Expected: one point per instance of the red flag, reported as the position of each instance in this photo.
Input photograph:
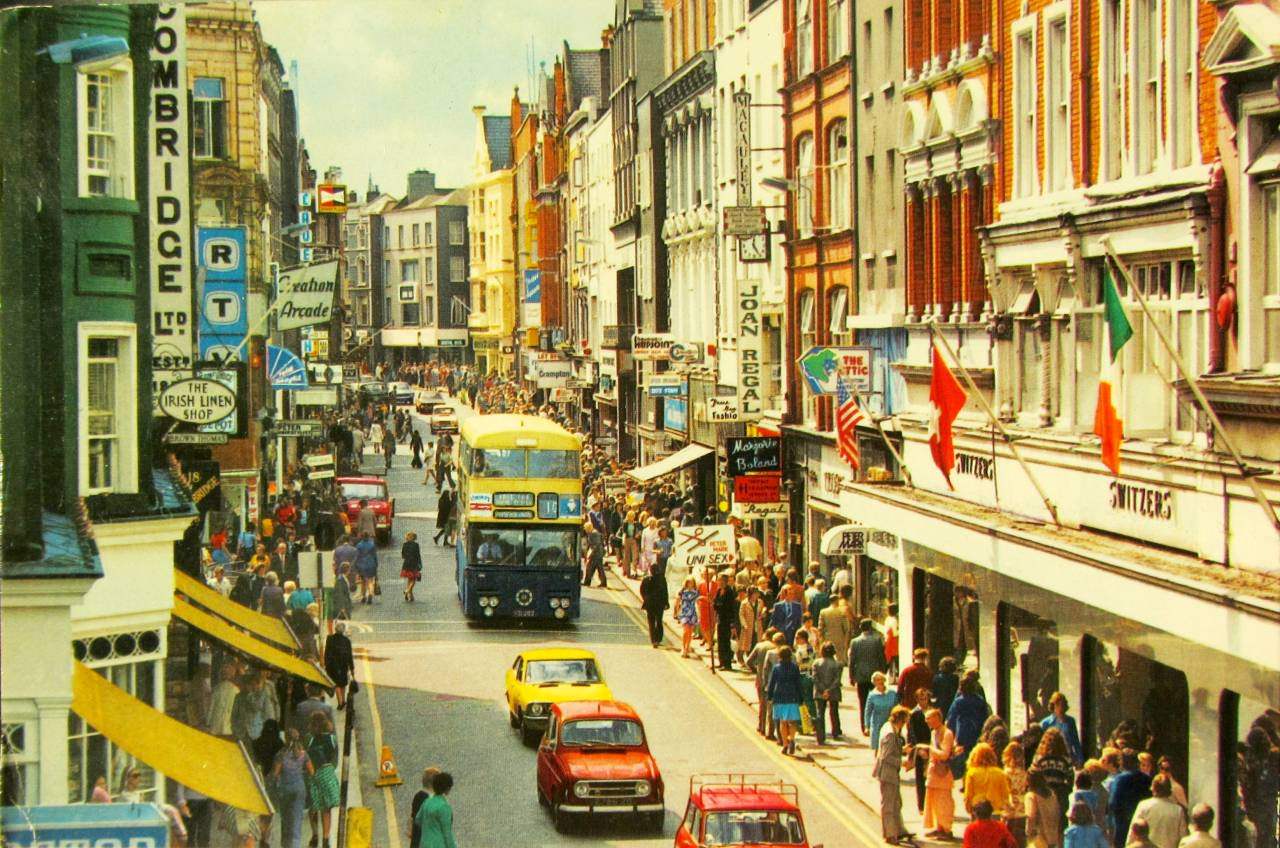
(946, 399)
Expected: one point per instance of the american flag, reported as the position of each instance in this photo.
(848, 416)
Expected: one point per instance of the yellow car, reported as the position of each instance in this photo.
(544, 676)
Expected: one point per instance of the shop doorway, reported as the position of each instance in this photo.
(945, 619)
(1028, 666)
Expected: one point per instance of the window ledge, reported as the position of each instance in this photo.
(109, 205)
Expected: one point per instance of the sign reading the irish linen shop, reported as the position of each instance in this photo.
(168, 164)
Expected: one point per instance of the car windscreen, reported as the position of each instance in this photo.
(368, 491)
(562, 671)
(492, 545)
(602, 731)
(737, 827)
(373, 387)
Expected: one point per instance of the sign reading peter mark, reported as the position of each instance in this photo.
(306, 295)
(301, 427)
(173, 345)
(750, 351)
(845, 540)
(197, 400)
(754, 454)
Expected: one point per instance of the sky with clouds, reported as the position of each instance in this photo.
(387, 86)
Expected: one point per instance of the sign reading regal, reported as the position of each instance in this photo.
(306, 295)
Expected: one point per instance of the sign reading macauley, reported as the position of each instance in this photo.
(306, 295)
(169, 173)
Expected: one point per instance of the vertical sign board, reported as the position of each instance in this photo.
(168, 171)
(224, 316)
(742, 144)
(750, 351)
(532, 297)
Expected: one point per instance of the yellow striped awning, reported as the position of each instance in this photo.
(249, 645)
(263, 626)
(212, 766)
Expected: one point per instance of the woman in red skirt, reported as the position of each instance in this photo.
(411, 565)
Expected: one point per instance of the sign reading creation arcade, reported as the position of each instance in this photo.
(306, 295)
(169, 216)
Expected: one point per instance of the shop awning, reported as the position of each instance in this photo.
(211, 766)
(266, 627)
(685, 456)
(249, 645)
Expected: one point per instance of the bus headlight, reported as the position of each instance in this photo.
(559, 613)
(488, 611)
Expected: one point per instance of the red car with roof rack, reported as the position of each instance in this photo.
(594, 760)
(742, 809)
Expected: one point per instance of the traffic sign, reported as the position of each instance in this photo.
(745, 220)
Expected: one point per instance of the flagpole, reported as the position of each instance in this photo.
(1250, 475)
(884, 437)
(1013, 448)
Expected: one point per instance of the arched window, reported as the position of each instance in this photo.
(362, 271)
(807, 323)
(804, 198)
(838, 189)
(804, 38)
(838, 310)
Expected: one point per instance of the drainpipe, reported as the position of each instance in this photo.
(1216, 195)
(1085, 87)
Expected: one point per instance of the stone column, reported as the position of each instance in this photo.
(912, 210)
(931, 252)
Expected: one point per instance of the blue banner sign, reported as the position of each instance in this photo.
(224, 314)
(85, 826)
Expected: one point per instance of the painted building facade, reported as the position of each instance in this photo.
(492, 319)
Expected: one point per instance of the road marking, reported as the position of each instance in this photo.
(393, 826)
(820, 793)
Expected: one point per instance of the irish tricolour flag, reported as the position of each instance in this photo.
(1107, 424)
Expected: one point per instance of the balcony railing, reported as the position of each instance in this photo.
(617, 336)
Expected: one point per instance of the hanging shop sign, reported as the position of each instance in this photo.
(224, 316)
(823, 368)
(552, 373)
(754, 511)
(667, 385)
(754, 455)
(652, 347)
(324, 373)
(687, 353)
(532, 304)
(845, 540)
(197, 400)
(757, 488)
(745, 220)
(750, 351)
(172, 438)
(231, 375)
(306, 295)
(303, 428)
(205, 477)
(173, 345)
(675, 415)
(320, 396)
(350, 373)
(284, 369)
(708, 546)
(722, 410)
(85, 826)
(331, 198)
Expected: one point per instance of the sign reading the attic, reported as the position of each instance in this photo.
(168, 170)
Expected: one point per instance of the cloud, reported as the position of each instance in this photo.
(387, 86)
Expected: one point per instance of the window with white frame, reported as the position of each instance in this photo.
(457, 232)
(208, 119)
(417, 232)
(386, 270)
(400, 235)
(838, 310)
(410, 314)
(838, 189)
(1182, 81)
(805, 306)
(1111, 73)
(108, 414)
(1269, 197)
(92, 756)
(837, 30)
(428, 310)
(1057, 101)
(362, 309)
(804, 197)
(19, 764)
(362, 271)
(105, 137)
(1024, 108)
(804, 37)
(409, 271)
(457, 269)
(1146, 41)
(431, 273)
(428, 234)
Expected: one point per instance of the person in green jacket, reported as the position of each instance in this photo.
(435, 816)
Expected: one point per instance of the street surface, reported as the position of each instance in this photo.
(432, 688)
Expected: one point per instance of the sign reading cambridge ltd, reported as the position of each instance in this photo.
(169, 173)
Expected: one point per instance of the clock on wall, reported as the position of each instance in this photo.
(753, 248)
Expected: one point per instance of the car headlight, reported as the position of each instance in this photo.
(535, 709)
(643, 787)
(581, 790)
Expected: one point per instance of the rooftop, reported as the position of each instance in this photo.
(497, 136)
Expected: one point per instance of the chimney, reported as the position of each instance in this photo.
(421, 183)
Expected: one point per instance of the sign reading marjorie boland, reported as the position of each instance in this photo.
(168, 167)
(306, 295)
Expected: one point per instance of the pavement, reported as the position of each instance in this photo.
(848, 761)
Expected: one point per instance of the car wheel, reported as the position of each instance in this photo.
(530, 735)
(513, 718)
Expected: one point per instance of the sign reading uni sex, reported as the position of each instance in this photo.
(709, 546)
(173, 345)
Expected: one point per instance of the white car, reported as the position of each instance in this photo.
(401, 393)
(425, 400)
(444, 421)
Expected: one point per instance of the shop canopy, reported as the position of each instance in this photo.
(248, 645)
(687, 455)
(266, 627)
(212, 766)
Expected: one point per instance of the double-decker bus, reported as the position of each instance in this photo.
(519, 518)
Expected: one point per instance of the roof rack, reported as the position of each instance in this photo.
(745, 782)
